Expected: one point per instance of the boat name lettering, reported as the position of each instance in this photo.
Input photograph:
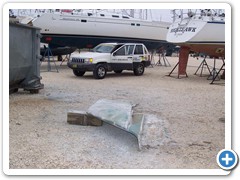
(184, 29)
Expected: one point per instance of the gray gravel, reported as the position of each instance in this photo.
(40, 136)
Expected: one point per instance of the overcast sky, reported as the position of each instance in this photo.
(162, 14)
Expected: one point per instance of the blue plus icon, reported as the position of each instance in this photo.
(227, 159)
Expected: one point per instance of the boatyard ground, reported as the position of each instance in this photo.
(193, 110)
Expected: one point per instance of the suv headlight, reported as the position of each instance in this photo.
(88, 60)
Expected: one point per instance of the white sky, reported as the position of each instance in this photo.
(162, 14)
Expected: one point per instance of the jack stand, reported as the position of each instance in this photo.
(214, 74)
(165, 61)
(221, 69)
(203, 63)
(151, 60)
(67, 57)
(48, 52)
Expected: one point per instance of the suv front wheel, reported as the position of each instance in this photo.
(139, 69)
(99, 72)
(78, 73)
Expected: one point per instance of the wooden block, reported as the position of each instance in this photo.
(93, 121)
(77, 117)
(82, 118)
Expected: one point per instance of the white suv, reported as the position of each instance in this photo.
(111, 57)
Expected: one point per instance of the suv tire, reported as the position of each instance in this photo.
(78, 73)
(139, 69)
(100, 71)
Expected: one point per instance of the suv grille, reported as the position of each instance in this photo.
(77, 60)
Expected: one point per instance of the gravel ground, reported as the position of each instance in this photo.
(40, 136)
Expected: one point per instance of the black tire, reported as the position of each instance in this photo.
(100, 71)
(118, 71)
(78, 73)
(139, 69)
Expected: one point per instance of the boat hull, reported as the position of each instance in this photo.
(212, 50)
(87, 41)
(199, 35)
(58, 51)
(87, 32)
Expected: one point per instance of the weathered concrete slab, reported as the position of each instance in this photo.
(149, 129)
(153, 132)
(113, 112)
(119, 114)
(136, 124)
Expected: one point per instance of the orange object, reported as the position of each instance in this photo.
(183, 60)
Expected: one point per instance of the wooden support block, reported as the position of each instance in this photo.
(82, 118)
(77, 117)
(93, 121)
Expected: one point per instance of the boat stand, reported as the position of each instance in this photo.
(49, 54)
(182, 61)
(165, 61)
(67, 57)
(152, 62)
(214, 74)
(202, 65)
(178, 72)
(217, 75)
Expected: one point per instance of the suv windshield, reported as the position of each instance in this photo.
(104, 48)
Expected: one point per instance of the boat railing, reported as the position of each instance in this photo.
(139, 14)
(211, 14)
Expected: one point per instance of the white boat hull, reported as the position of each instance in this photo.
(104, 27)
(199, 35)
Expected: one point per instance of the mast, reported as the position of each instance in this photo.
(132, 12)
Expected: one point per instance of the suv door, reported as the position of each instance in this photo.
(122, 58)
(140, 53)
